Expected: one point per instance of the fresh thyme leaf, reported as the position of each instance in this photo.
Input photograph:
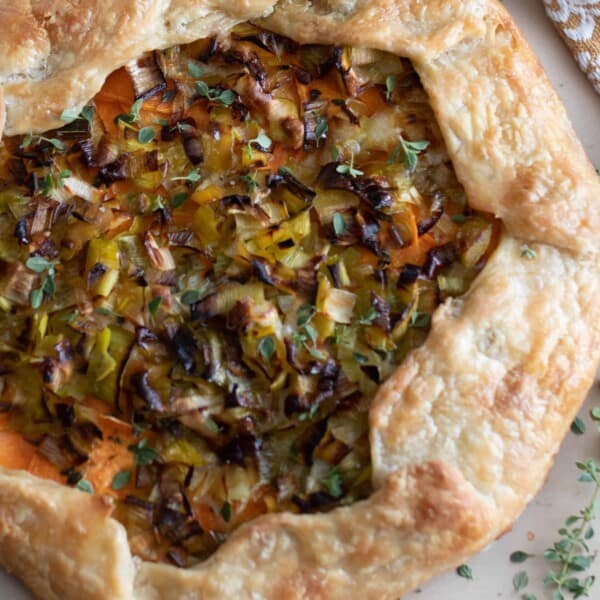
(390, 86)
(304, 314)
(262, 140)
(360, 358)
(153, 305)
(143, 454)
(410, 150)
(321, 128)
(195, 70)
(225, 97)
(69, 115)
(571, 553)
(85, 486)
(527, 252)
(519, 556)
(528, 597)
(595, 416)
(190, 297)
(420, 320)
(315, 352)
(370, 316)
(349, 169)
(309, 414)
(26, 141)
(56, 143)
(333, 482)
(464, 571)
(179, 199)
(193, 176)
(250, 181)
(266, 347)
(121, 479)
(35, 298)
(146, 135)
(339, 224)
(520, 581)
(226, 512)
(578, 426)
(38, 264)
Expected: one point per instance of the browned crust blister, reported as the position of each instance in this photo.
(465, 431)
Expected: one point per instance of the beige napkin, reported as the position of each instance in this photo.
(578, 22)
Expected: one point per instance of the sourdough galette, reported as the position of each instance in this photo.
(298, 307)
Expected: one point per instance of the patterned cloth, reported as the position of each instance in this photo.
(578, 22)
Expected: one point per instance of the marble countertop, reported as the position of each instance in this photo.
(536, 529)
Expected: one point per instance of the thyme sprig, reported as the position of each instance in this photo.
(571, 554)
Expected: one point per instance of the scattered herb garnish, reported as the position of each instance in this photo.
(226, 512)
(520, 581)
(527, 252)
(390, 86)
(39, 264)
(321, 128)
(121, 479)
(179, 199)
(30, 139)
(262, 140)
(464, 571)
(146, 135)
(144, 455)
(133, 116)
(595, 416)
(519, 556)
(339, 224)
(195, 70)
(333, 482)
(348, 168)
(225, 97)
(370, 316)
(85, 486)
(153, 305)
(266, 347)
(250, 180)
(193, 177)
(410, 151)
(190, 297)
(578, 426)
(72, 114)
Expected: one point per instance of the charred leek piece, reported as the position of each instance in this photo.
(203, 282)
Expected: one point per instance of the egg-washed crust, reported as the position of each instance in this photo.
(465, 431)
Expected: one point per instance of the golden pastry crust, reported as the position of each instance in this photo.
(465, 430)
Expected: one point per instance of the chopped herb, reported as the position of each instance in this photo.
(420, 320)
(464, 571)
(179, 199)
(195, 70)
(333, 482)
(339, 224)
(143, 454)
(193, 176)
(527, 252)
(266, 347)
(360, 358)
(250, 181)
(154, 304)
(390, 86)
(121, 479)
(190, 297)
(595, 416)
(225, 97)
(304, 314)
(85, 486)
(348, 168)
(410, 150)
(71, 114)
(146, 135)
(578, 426)
(226, 512)
(133, 116)
(519, 556)
(520, 581)
(370, 316)
(309, 414)
(321, 128)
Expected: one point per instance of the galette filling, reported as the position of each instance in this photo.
(208, 271)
